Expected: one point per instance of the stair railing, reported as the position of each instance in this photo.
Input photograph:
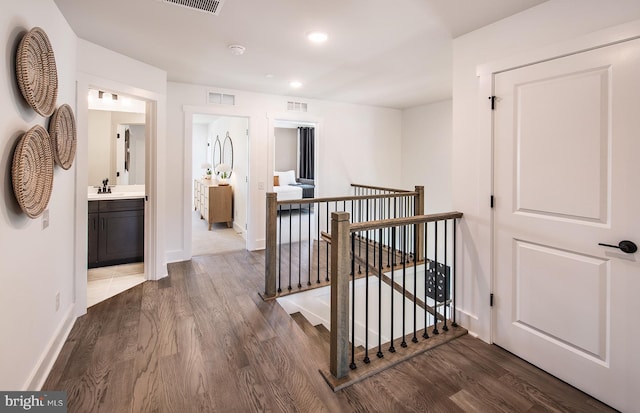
(296, 256)
(426, 300)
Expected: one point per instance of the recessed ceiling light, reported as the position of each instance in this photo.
(295, 84)
(317, 37)
(237, 49)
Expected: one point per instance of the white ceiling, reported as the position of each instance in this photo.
(393, 54)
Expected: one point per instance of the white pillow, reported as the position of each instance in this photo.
(287, 178)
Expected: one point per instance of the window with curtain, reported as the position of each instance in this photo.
(305, 137)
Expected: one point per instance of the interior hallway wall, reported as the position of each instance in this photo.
(426, 153)
(36, 263)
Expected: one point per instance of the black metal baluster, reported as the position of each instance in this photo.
(309, 246)
(353, 302)
(392, 349)
(366, 306)
(380, 354)
(444, 276)
(280, 248)
(404, 281)
(435, 278)
(425, 334)
(389, 234)
(453, 276)
(359, 235)
(375, 201)
(328, 245)
(299, 245)
(290, 229)
(415, 284)
(318, 209)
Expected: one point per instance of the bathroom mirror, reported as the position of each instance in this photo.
(217, 153)
(227, 152)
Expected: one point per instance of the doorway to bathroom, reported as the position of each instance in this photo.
(116, 194)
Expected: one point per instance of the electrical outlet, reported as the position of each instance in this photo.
(57, 300)
(45, 218)
(260, 186)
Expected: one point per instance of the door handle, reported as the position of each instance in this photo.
(625, 246)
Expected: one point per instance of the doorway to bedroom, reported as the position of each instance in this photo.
(294, 173)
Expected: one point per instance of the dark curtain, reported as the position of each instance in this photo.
(305, 135)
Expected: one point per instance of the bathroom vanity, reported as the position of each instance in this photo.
(116, 229)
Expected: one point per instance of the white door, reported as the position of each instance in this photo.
(567, 177)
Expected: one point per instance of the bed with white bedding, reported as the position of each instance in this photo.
(288, 192)
(285, 186)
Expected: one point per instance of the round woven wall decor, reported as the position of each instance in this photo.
(62, 130)
(36, 71)
(32, 171)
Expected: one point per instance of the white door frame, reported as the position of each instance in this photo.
(189, 112)
(292, 117)
(153, 241)
(486, 74)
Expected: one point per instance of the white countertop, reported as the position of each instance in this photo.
(117, 192)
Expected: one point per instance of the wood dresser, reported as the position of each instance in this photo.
(213, 201)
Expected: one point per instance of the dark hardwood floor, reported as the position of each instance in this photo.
(202, 340)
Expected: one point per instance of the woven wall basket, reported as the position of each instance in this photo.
(32, 171)
(36, 71)
(62, 130)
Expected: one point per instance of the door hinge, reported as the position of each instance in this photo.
(491, 300)
(493, 102)
(491, 201)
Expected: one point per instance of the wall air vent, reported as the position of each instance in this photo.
(207, 6)
(297, 106)
(221, 99)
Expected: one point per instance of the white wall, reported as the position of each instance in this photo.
(35, 263)
(345, 130)
(547, 24)
(199, 150)
(136, 168)
(426, 153)
(99, 146)
(286, 152)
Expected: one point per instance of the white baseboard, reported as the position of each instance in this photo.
(50, 355)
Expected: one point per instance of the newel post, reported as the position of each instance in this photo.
(340, 268)
(419, 210)
(271, 246)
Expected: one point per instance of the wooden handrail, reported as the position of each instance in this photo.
(346, 198)
(380, 188)
(396, 222)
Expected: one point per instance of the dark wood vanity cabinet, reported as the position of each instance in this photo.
(116, 232)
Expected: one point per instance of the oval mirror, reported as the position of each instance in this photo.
(227, 152)
(217, 153)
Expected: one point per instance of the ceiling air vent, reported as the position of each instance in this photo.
(221, 99)
(207, 6)
(297, 106)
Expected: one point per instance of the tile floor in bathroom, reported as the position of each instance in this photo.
(105, 282)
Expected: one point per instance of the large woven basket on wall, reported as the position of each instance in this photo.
(62, 130)
(36, 71)
(32, 171)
